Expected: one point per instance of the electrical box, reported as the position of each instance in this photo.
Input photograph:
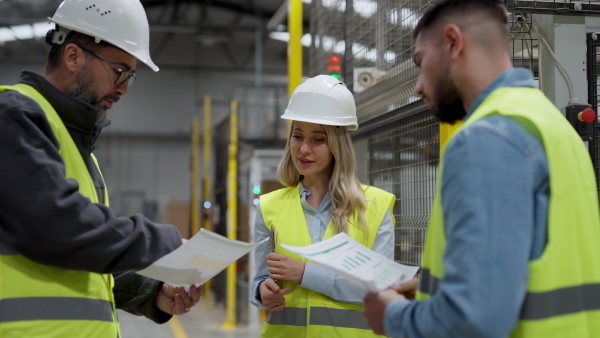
(581, 117)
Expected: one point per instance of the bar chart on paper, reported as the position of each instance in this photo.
(355, 262)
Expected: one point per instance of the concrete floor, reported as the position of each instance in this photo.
(199, 322)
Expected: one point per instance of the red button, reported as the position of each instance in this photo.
(587, 115)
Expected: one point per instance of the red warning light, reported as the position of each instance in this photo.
(334, 67)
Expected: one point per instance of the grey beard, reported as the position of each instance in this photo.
(81, 90)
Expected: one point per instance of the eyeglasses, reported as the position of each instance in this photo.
(123, 75)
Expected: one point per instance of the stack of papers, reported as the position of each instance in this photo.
(198, 260)
(355, 262)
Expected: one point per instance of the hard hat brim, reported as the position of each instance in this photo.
(328, 121)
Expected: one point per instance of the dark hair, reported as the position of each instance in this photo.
(80, 39)
(494, 9)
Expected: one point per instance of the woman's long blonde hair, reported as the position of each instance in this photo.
(346, 193)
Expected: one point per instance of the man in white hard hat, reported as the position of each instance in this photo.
(60, 244)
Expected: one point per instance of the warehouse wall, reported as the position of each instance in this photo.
(145, 153)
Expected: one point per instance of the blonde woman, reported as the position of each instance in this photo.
(321, 198)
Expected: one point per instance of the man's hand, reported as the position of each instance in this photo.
(272, 295)
(282, 267)
(175, 300)
(375, 304)
(408, 289)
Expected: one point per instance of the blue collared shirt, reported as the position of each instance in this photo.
(315, 277)
(495, 194)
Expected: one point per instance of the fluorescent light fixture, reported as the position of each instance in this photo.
(328, 43)
(335, 4)
(24, 32)
(389, 56)
(305, 40)
(364, 8)
(405, 17)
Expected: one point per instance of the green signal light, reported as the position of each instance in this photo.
(256, 190)
(337, 76)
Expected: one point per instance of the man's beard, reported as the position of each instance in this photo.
(448, 106)
(82, 89)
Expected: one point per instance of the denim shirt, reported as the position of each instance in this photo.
(315, 277)
(495, 193)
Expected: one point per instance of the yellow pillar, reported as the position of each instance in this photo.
(446, 131)
(195, 213)
(232, 212)
(294, 45)
(206, 182)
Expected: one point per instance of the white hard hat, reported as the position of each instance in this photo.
(322, 99)
(122, 23)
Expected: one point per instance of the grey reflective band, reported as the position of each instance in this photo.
(428, 284)
(6, 250)
(288, 316)
(351, 319)
(55, 308)
(564, 301)
(319, 316)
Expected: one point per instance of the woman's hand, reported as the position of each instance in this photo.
(282, 267)
(272, 295)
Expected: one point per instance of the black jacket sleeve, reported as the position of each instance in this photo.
(136, 294)
(45, 218)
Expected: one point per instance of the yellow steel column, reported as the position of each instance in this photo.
(195, 213)
(206, 182)
(446, 130)
(232, 212)
(294, 46)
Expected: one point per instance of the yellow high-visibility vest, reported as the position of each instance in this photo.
(563, 292)
(309, 313)
(37, 300)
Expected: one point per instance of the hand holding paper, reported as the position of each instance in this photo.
(356, 263)
(198, 260)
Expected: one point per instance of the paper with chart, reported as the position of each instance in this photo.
(199, 259)
(355, 262)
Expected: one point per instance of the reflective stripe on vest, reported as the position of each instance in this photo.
(309, 313)
(428, 283)
(542, 305)
(563, 291)
(319, 316)
(40, 300)
(45, 308)
(288, 316)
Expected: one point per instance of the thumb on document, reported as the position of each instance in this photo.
(408, 289)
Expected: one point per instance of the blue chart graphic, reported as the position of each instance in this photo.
(353, 262)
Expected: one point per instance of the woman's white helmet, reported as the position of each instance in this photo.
(322, 99)
(122, 23)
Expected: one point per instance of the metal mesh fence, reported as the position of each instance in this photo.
(402, 158)
(523, 43)
(374, 39)
(570, 7)
(399, 151)
(593, 77)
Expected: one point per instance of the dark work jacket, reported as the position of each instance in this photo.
(45, 218)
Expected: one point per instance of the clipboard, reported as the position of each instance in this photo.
(273, 242)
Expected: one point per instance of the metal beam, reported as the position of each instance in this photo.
(216, 4)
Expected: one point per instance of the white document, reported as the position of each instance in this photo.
(198, 260)
(355, 262)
